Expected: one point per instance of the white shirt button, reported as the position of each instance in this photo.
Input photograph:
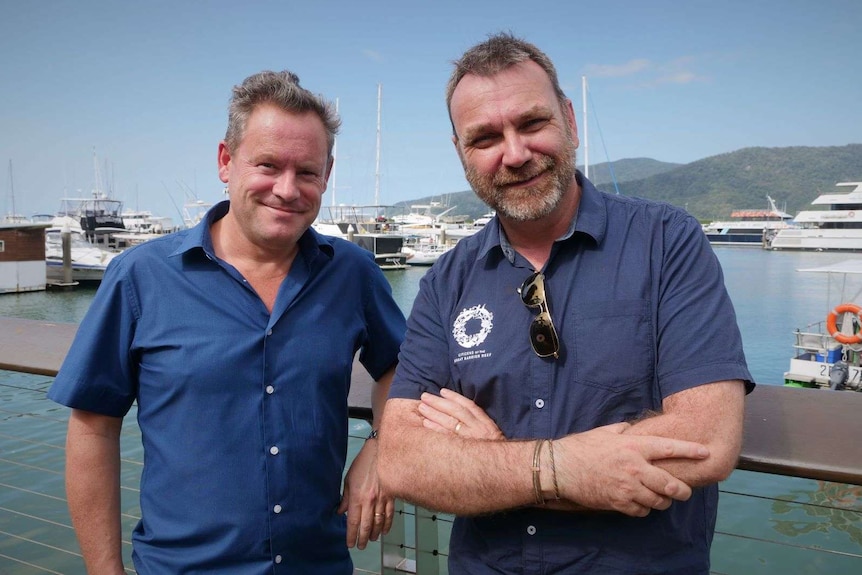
(531, 530)
(270, 389)
(269, 332)
(277, 509)
(278, 558)
(540, 403)
(273, 450)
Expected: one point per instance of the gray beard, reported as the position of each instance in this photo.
(533, 203)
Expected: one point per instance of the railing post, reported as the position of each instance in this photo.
(427, 543)
(393, 548)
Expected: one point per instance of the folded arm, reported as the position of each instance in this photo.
(711, 414)
(466, 475)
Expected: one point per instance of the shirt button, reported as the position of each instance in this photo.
(269, 332)
(270, 389)
(273, 450)
(277, 509)
(531, 530)
(540, 403)
(278, 558)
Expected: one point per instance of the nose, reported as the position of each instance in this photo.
(516, 152)
(286, 186)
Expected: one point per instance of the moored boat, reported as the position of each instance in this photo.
(828, 353)
(424, 255)
(747, 227)
(837, 228)
(364, 226)
(88, 262)
(97, 218)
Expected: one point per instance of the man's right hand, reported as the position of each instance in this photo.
(608, 470)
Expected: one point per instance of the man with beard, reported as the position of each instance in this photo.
(558, 364)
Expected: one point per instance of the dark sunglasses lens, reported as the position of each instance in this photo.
(543, 337)
(533, 291)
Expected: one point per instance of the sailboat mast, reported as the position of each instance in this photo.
(12, 189)
(377, 165)
(97, 189)
(586, 139)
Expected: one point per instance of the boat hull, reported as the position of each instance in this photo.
(849, 240)
(744, 240)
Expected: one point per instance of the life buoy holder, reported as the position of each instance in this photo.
(832, 327)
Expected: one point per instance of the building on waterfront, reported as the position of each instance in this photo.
(22, 257)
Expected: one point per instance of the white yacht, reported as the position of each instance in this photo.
(97, 217)
(747, 227)
(837, 228)
(88, 261)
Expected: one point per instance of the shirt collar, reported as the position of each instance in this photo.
(590, 220)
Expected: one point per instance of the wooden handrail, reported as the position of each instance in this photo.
(788, 431)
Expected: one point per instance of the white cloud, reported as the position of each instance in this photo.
(681, 77)
(372, 54)
(618, 70)
(650, 74)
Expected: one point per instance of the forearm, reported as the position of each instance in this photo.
(93, 490)
(712, 415)
(450, 473)
(379, 393)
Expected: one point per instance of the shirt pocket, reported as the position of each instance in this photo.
(613, 344)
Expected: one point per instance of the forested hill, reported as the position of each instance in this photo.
(712, 187)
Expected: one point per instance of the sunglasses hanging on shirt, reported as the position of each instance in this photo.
(543, 336)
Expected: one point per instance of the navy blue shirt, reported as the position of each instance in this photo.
(243, 413)
(638, 300)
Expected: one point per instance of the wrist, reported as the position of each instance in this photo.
(549, 482)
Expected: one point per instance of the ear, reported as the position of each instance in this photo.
(223, 162)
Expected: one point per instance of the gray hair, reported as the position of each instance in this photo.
(494, 55)
(283, 90)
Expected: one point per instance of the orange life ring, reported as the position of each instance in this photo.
(832, 327)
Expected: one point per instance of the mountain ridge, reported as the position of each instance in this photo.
(712, 187)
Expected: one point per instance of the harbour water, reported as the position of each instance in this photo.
(756, 533)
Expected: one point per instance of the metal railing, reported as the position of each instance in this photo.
(794, 505)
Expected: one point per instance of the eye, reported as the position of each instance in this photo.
(482, 141)
(308, 173)
(535, 124)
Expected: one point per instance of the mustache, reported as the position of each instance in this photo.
(506, 176)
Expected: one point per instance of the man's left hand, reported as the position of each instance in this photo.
(369, 512)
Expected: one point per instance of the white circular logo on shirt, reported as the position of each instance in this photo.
(459, 328)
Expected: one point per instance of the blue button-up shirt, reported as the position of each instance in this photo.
(243, 413)
(638, 300)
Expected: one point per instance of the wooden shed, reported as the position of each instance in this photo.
(22, 257)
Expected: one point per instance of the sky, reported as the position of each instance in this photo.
(131, 98)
